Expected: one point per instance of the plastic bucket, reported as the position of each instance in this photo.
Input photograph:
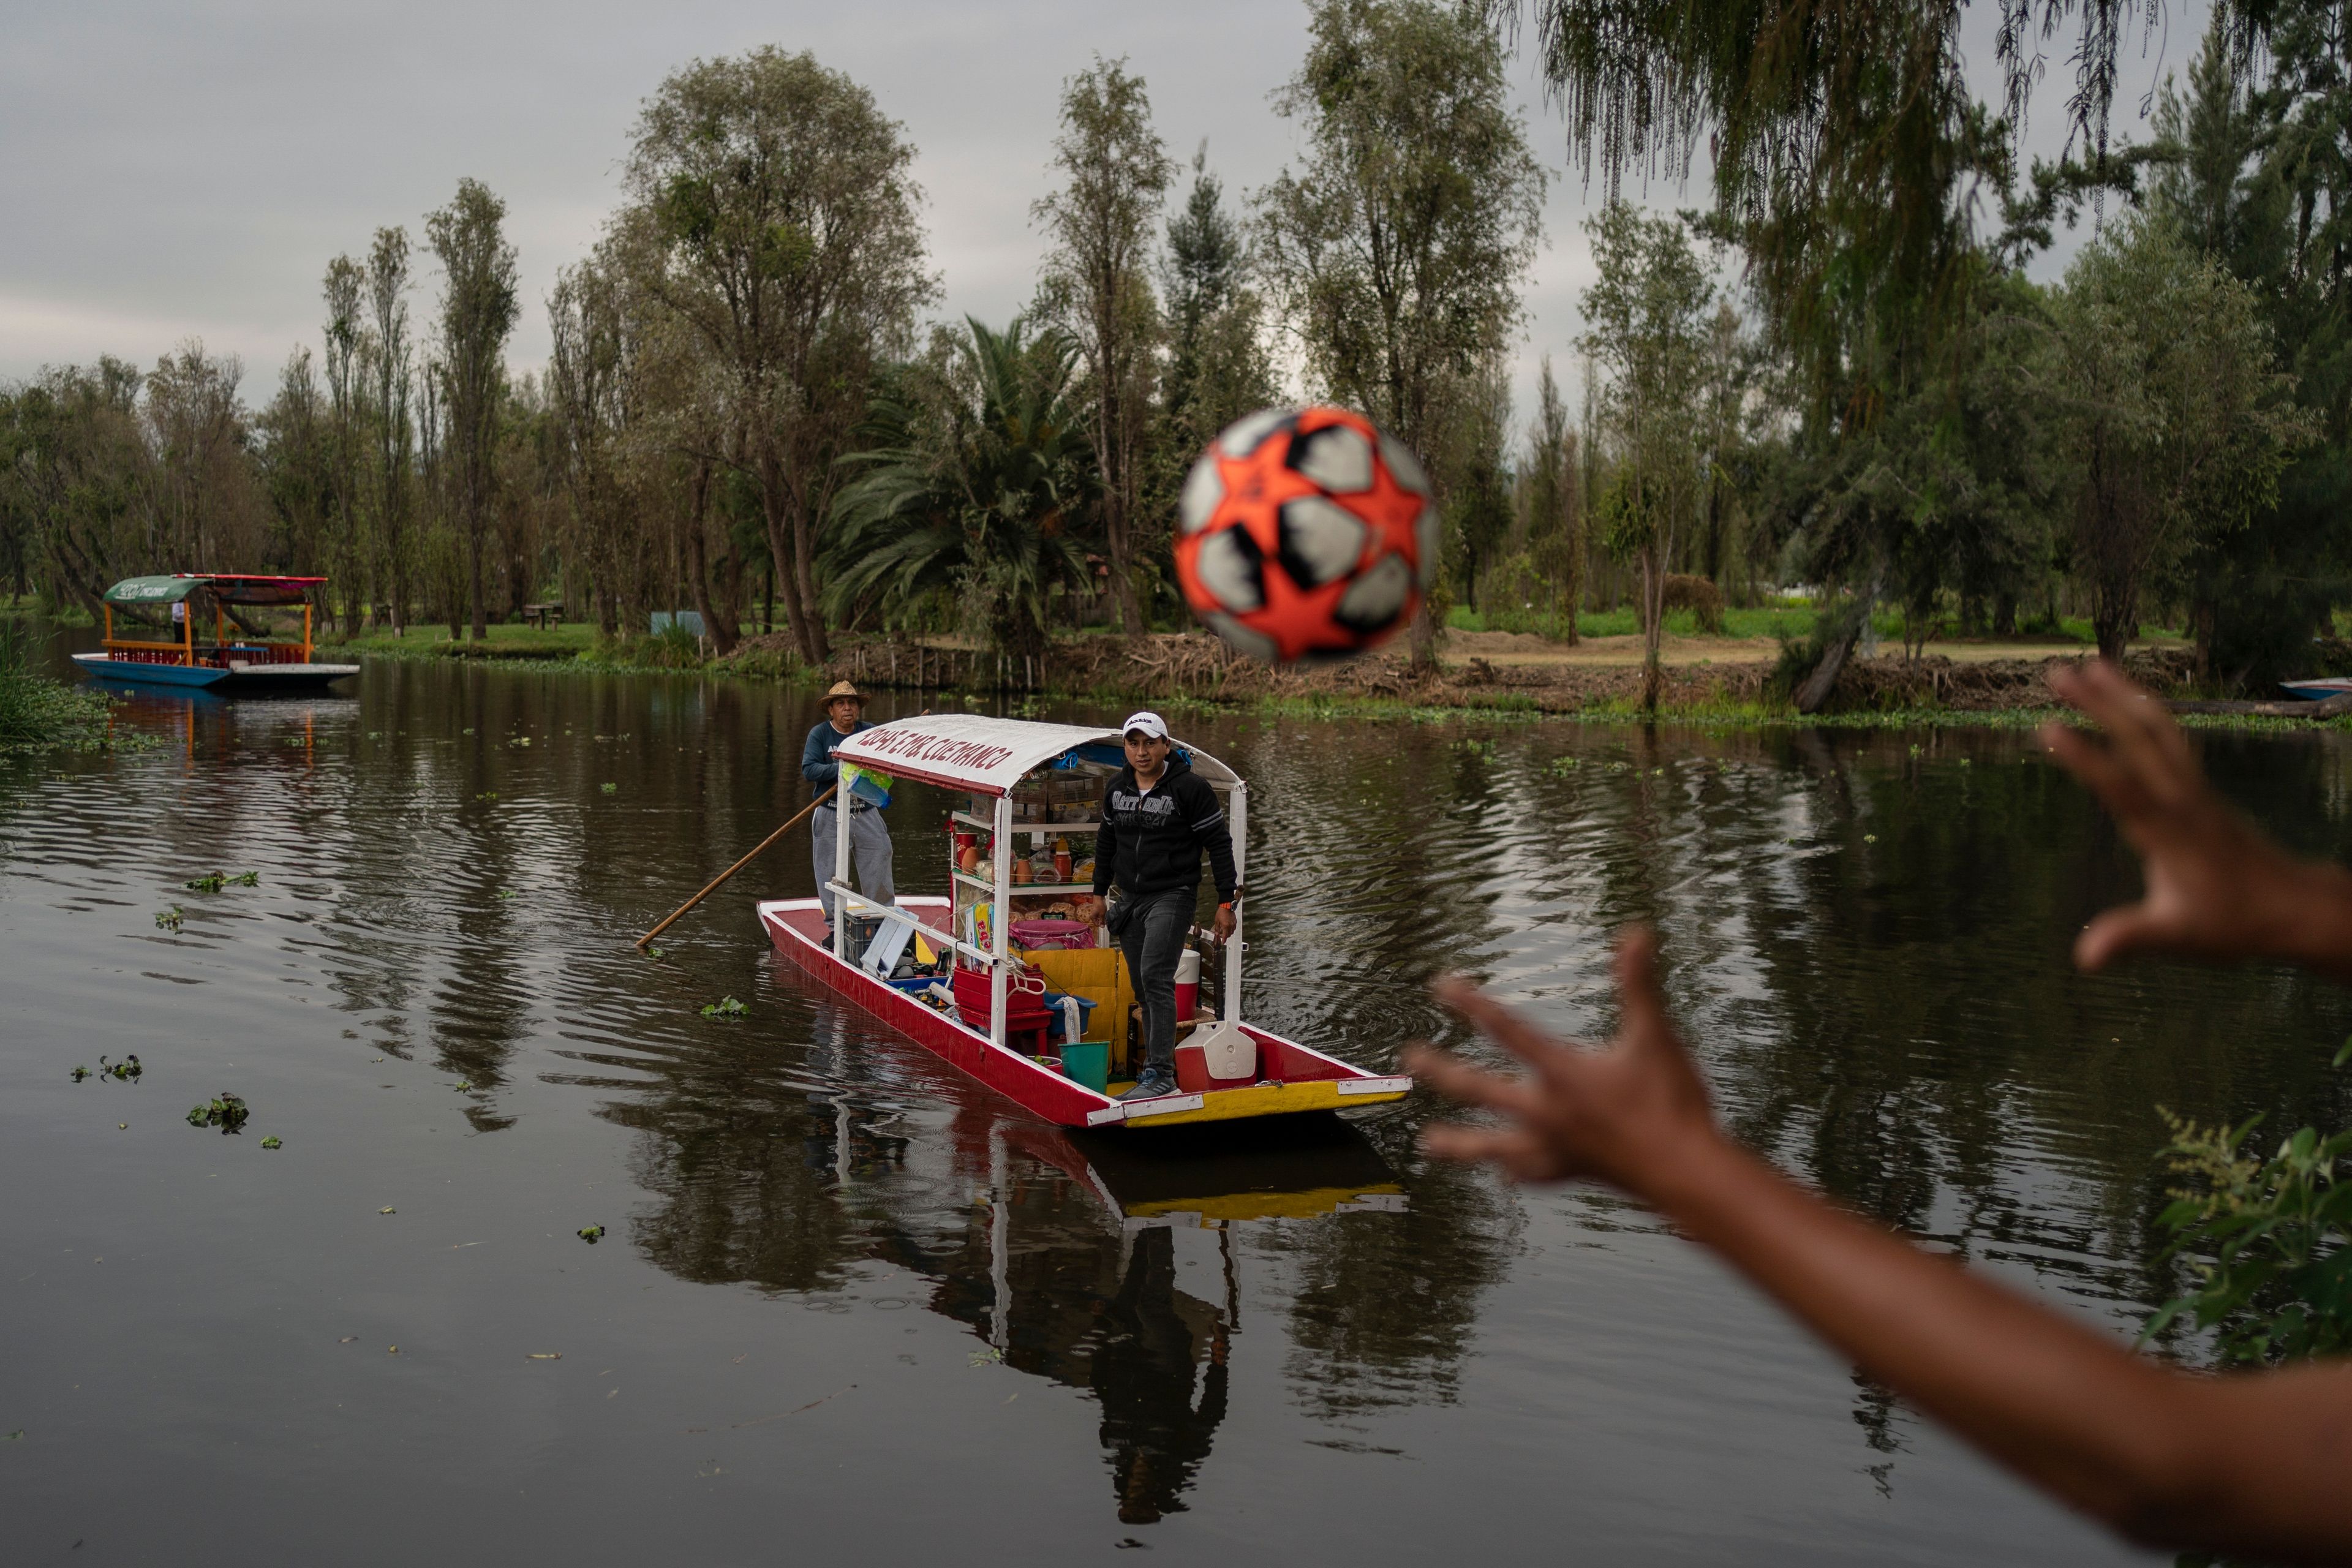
(1188, 984)
(1088, 1062)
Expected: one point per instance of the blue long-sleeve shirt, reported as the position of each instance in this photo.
(817, 765)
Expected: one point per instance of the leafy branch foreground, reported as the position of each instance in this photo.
(2265, 1240)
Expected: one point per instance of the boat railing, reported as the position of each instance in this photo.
(846, 900)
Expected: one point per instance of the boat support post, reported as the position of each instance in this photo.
(1000, 920)
(1237, 827)
(843, 804)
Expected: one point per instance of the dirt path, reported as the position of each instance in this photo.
(1524, 649)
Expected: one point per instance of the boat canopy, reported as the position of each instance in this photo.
(231, 588)
(988, 755)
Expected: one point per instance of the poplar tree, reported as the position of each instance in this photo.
(1097, 287)
(344, 289)
(391, 364)
(477, 312)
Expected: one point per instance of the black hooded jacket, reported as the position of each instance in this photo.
(1152, 843)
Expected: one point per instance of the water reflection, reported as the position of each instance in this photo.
(1865, 933)
(1056, 1250)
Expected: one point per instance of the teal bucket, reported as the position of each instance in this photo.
(1088, 1062)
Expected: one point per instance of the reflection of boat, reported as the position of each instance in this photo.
(1233, 1171)
(253, 657)
(1037, 781)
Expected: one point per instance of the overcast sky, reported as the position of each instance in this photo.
(176, 171)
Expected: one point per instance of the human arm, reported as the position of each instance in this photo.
(817, 765)
(2217, 887)
(1105, 845)
(2244, 1462)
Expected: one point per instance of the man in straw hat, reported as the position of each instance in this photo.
(870, 840)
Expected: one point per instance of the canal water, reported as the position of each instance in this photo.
(846, 1304)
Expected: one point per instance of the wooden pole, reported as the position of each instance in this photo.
(797, 818)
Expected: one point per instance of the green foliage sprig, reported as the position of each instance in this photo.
(2266, 1239)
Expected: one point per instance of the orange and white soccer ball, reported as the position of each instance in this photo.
(1305, 534)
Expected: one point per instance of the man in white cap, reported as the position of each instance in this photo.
(1158, 817)
(870, 840)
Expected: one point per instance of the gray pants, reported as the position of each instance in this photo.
(869, 853)
(1153, 938)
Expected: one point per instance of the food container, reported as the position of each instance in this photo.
(1188, 985)
(1088, 1062)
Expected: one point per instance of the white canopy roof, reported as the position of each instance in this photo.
(983, 754)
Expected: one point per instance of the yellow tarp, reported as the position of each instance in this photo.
(1098, 975)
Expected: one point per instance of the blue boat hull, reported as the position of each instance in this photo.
(101, 668)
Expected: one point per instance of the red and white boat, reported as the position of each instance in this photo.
(981, 1001)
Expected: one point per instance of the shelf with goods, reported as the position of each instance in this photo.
(987, 889)
(1033, 828)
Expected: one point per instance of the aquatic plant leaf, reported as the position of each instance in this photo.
(610, 788)
(273, 1143)
(169, 920)
(245, 879)
(725, 1007)
(387, 1209)
(591, 1234)
(79, 1074)
(210, 883)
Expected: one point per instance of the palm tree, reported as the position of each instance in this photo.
(977, 483)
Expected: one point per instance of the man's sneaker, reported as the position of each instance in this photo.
(1155, 1082)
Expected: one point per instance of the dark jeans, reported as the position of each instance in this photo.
(1152, 938)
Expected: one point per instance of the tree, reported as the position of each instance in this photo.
(344, 288)
(784, 209)
(588, 385)
(1097, 285)
(1648, 318)
(294, 456)
(390, 363)
(74, 487)
(978, 478)
(1395, 254)
(1553, 498)
(1218, 366)
(478, 307)
(206, 512)
(2179, 423)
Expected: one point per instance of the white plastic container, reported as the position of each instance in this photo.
(1188, 985)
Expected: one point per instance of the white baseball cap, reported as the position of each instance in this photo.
(1147, 722)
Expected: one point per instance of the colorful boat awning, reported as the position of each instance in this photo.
(233, 588)
(989, 755)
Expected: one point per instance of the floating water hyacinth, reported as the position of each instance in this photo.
(79, 1074)
(169, 920)
(225, 1112)
(591, 1234)
(213, 883)
(725, 1007)
(273, 1143)
(610, 788)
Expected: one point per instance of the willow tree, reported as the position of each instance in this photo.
(1096, 286)
(1847, 146)
(1396, 252)
(478, 307)
(784, 209)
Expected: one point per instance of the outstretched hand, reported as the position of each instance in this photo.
(2216, 887)
(1615, 1112)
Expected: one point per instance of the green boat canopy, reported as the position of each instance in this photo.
(231, 588)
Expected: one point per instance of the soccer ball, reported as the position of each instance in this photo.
(1305, 534)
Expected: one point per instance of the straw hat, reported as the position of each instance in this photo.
(842, 688)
